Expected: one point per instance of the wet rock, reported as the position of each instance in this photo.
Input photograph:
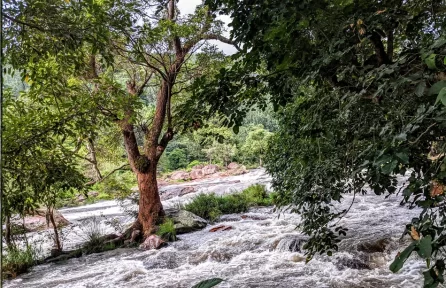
(152, 242)
(233, 165)
(298, 258)
(93, 194)
(166, 260)
(210, 169)
(185, 221)
(351, 263)
(196, 174)
(291, 243)
(374, 246)
(220, 228)
(180, 175)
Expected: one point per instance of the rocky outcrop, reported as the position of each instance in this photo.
(198, 167)
(180, 175)
(196, 174)
(351, 263)
(185, 221)
(152, 242)
(292, 243)
(210, 169)
(93, 194)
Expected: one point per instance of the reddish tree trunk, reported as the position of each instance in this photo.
(150, 207)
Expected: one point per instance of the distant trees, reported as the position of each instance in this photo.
(256, 143)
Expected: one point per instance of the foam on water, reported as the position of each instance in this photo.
(261, 250)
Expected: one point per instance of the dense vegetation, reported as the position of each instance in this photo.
(359, 88)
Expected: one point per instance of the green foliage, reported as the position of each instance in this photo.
(256, 143)
(177, 159)
(211, 206)
(208, 283)
(193, 164)
(18, 260)
(167, 230)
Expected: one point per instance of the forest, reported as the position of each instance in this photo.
(341, 103)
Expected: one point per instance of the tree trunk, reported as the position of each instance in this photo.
(150, 207)
(94, 163)
(260, 160)
(56, 233)
(8, 231)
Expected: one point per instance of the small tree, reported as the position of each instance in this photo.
(256, 143)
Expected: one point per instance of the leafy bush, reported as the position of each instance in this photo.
(177, 159)
(16, 261)
(167, 230)
(192, 164)
(211, 206)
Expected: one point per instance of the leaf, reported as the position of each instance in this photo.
(208, 283)
(430, 61)
(425, 247)
(419, 90)
(403, 157)
(436, 88)
(236, 129)
(414, 234)
(398, 263)
(441, 96)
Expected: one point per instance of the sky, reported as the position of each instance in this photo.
(188, 7)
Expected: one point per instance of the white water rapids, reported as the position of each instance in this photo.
(255, 253)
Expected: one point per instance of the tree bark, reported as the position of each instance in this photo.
(150, 207)
(8, 231)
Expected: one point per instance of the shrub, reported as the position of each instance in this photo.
(167, 230)
(16, 261)
(211, 206)
(92, 232)
(192, 164)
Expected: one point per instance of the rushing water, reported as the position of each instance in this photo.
(261, 249)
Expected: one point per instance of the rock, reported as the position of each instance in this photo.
(374, 246)
(198, 167)
(185, 221)
(163, 260)
(210, 169)
(196, 174)
(135, 234)
(169, 193)
(298, 258)
(152, 242)
(93, 194)
(39, 221)
(233, 165)
(180, 175)
(220, 227)
(80, 198)
(352, 263)
(292, 243)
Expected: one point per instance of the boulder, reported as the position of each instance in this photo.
(185, 221)
(374, 246)
(93, 194)
(196, 174)
(80, 198)
(292, 243)
(233, 165)
(180, 175)
(220, 228)
(352, 263)
(198, 167)
(175, 191)
(210, 169)
(238, 171)
(152, 242)
(38, 221)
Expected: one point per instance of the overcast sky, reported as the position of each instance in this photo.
(188, 7)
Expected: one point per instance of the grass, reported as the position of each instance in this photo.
(211, 206)
(16, 261)
(167, 230)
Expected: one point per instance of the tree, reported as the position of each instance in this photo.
(256, 143)
(365, 82)
(150, 42)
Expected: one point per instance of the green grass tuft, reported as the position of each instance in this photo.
(16, 261)
(167, 230)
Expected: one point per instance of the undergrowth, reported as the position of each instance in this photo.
(211, 206)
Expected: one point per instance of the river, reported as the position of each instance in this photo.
(261, 249)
